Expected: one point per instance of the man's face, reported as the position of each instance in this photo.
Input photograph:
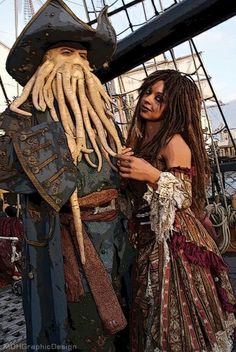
(68, 54)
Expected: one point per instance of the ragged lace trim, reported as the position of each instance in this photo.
(224, 343)
(163, 203)
(225, 338)
(149, 296)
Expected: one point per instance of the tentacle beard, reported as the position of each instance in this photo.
(71, 85)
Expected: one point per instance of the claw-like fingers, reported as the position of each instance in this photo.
(124, 157)
(127, 151)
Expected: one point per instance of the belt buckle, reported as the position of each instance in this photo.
(109, 207)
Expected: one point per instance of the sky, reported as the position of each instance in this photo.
(218, 47)
(219, 56)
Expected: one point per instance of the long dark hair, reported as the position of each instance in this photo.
(182, 114)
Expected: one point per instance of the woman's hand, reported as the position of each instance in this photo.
(136, 168)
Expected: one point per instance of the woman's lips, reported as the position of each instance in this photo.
(144, 108)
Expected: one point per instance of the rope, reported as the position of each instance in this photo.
(232, 223)
(223, 219)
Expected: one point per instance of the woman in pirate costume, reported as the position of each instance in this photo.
(182, 298)
(56, 152)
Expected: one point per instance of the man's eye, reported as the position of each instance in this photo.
(66, 52)
(84, 56)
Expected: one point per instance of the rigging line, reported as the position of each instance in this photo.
(94, 9)
(133, 26)
(125, 30)
(145, 69)
(145, 16)
(140, 24)
(172, 53)
(155, 9)
(195, 71)
(4, 91)
(119, 9)
(127, 15)
(2, 2)
(86, 10)
(210, 98)
(161, 6)
(31, 6)
(113, 3)
(144, 11)
(123, 94)
(132, 29)
(133, 78)
(214, 95)
(209, 125)
(16, 35)
(218, 131)
(75, 3)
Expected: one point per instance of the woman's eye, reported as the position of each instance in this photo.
(159, 99)
(148, 91)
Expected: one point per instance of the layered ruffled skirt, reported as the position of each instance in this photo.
(182, 298)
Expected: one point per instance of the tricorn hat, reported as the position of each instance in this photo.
(53, 24)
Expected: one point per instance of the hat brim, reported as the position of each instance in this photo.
(52, 24)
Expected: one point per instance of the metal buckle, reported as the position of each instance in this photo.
(100, 209)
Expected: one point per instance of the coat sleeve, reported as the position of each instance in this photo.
(37, 159)
(12, 176)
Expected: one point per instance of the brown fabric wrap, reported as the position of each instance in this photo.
(98, 198)
(74, 286)
(103, 293)
(105, 216)
(89, 202)
(99, 282)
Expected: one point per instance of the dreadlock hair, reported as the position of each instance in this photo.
(182, 115)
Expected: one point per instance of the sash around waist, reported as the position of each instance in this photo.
(97, 206)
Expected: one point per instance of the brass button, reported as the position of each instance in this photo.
(44, 130)
(35, 170)
(32, 160)
(23, 137)
(55, 190)
(27, 152)
(2, 132)
(30, 275)
(46, 184)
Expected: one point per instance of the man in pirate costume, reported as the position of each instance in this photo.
(57, 140)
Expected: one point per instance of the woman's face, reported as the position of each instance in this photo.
(151, 104)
